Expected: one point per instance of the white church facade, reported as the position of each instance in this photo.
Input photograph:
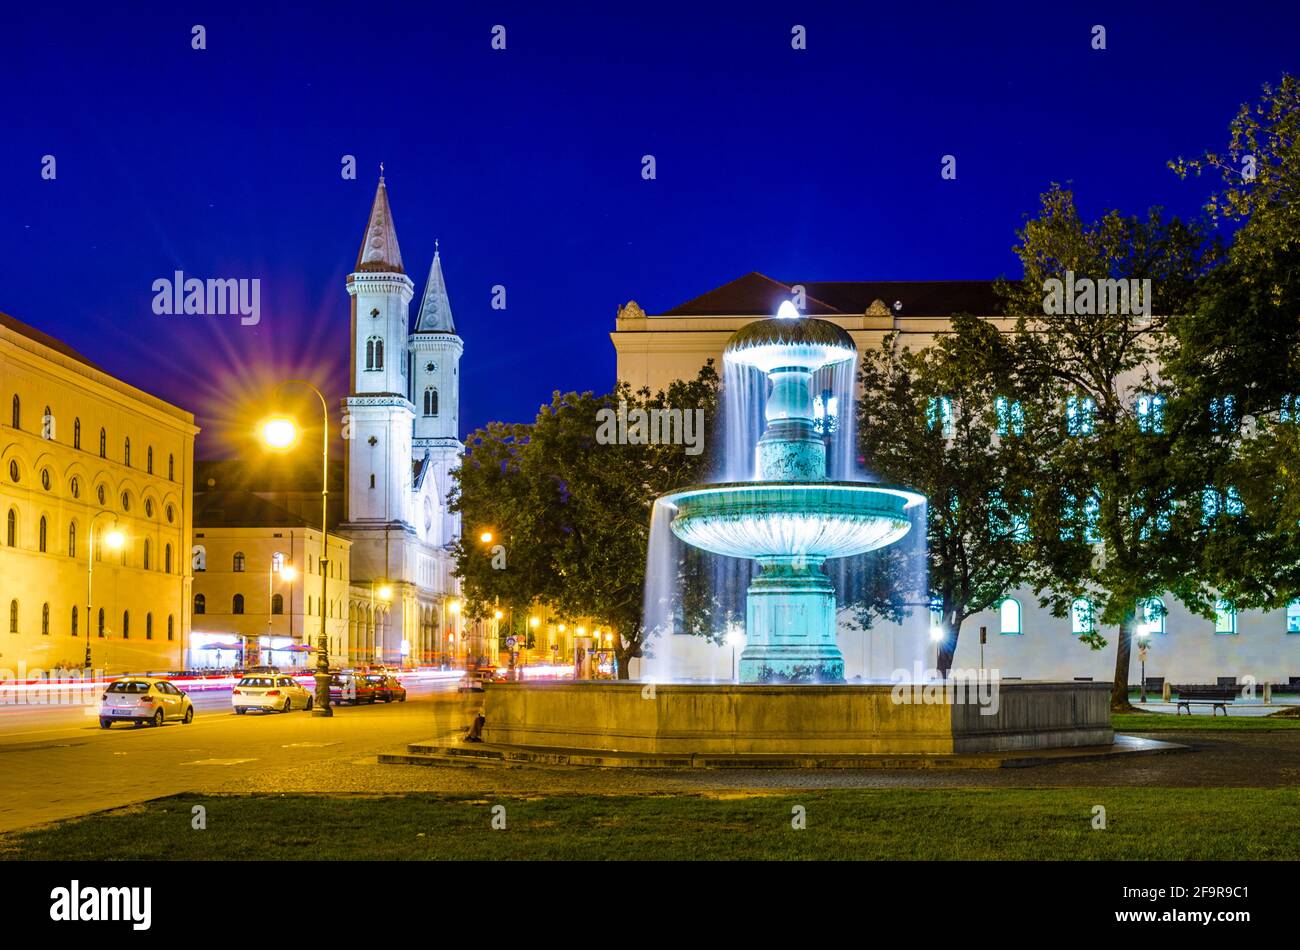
(402, 446)
(396, 600)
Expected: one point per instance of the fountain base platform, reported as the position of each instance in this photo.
(878, 719)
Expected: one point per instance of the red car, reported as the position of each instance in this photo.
(350, 689)
(387, 687)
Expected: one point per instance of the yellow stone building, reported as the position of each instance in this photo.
(84, 458)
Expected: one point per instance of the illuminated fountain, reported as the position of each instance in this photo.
(791, 518)
(792, 707)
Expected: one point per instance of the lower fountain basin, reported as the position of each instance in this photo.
(814, 520)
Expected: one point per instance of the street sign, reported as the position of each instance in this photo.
(510, 643)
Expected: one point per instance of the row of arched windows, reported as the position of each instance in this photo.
(1149, 617)
(75, 617)
(237, 604)
(48, 432)
(43, 545)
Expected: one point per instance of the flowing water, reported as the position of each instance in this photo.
(876, 652)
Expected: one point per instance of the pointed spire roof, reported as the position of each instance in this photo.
(435, 309)
(379, 250)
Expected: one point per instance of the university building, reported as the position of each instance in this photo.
(1024, 639)
(96, 481)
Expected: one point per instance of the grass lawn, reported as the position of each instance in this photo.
(858, 824)
(1155, 722)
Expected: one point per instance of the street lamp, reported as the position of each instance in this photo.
(114, 539)
(281, 433)
(453, 638)
(1142, 655)
(384, 592)
(734, 639)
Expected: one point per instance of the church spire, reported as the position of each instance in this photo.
(435, 310)
(379, 250)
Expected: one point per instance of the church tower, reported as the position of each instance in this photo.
(435, 390)
(380, 414)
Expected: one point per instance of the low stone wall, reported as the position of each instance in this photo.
(732, 719)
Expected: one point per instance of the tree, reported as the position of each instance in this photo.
(952, 422)
(578, 503)
(1116, 515)
(1240, 347)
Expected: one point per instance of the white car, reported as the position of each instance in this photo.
(141, 699)
(268, 691)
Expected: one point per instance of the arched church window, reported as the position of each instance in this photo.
(431, 401)
(374, 353)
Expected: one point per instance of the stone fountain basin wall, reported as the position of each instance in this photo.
(732, 719)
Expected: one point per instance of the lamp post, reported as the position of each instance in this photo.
(287, 573)
(1142, 655)
(385, 593)
(454, 637)
(114, 539)
(281, 433)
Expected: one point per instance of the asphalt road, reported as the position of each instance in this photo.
(56, 763)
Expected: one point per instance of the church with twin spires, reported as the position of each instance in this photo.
(390, 587)
(403, 444)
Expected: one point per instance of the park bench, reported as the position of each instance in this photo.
(1217, 697)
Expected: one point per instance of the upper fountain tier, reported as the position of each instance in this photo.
(789, 349)
(789, 340)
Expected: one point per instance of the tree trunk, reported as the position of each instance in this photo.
(622, 656)
(1119, 688)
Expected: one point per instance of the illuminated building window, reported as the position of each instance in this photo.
(1009, 611)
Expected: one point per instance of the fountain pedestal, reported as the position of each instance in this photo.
(790, 625)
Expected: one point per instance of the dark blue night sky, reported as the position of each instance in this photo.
(806, 165)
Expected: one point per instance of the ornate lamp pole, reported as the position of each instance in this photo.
(282, 433)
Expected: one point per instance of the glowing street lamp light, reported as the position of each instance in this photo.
(279, 432)
(498, 614)
(486, 537)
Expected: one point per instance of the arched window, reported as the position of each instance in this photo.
(148, 461)
(237, 604)
(239, 562)
(200, 604)
(101, 623)
(431, 401)
(167, 559)
(375, 353)
(277, 604)
(18, 412)
(1225, 617)
(74, 621)
(308, 563)
(45, 620)
(76, 433)
(171, 468)
(1081, 617)
(146, 554)
(72, 539)
(1009, 611)
(939, 414)
(1151, 617)
(42, 534)
(126, 452)
(11, 528)
(103, 443)
(126, 625)
(13, 612)
(171, 627)
(148, 626)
